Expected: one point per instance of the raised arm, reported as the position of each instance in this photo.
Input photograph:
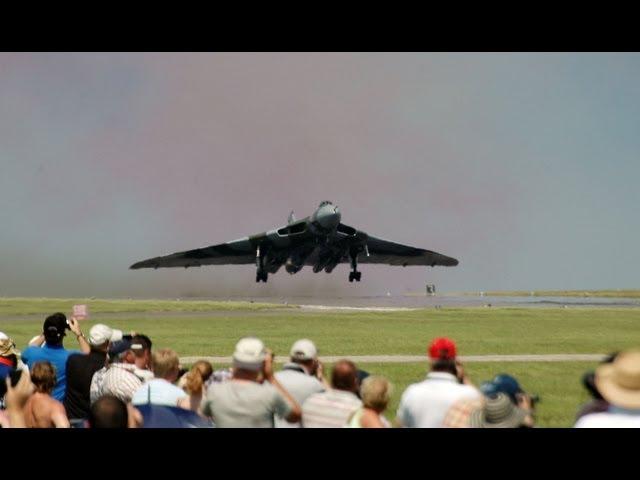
(296, 411)
(16, 397)
(82, 341)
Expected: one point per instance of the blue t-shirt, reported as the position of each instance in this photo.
(57, 355)
(5, 370)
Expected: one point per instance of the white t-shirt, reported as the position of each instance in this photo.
(158, 392)
(614, 418)
(425, 404)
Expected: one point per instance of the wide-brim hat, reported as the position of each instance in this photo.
(7, 347)
(619, 382)
(498, 412)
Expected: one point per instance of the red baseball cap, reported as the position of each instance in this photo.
(442, 349)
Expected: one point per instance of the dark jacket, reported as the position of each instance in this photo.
(80, 370)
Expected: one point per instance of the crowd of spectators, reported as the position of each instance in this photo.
(118, 380)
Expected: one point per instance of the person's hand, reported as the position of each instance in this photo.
(135, 419)
(74, 326)
(267, 369)
(524, 402)
(462, 378)
(319, 370)
(17, 396)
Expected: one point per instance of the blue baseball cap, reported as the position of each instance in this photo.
(502, 383)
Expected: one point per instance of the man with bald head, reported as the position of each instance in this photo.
(332, 409)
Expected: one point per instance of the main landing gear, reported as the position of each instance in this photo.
(354, 274)
(261, 275)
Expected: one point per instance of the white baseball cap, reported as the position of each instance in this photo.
(304, 349)
(249, 354)
(100, 334)
(3, 336)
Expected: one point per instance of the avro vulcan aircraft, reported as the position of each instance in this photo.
(319, 241)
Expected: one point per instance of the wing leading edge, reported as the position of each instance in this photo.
(238, 252)
(390, 253)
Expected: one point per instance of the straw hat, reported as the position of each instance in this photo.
(498, 412)
(619, 382)
(7, 347)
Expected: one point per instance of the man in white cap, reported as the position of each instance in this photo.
(302, 376)
(80, 369)
(619, 384)
(253, 396)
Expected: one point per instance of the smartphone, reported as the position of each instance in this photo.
(81, 312)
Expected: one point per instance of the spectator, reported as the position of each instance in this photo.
(11, 355)
(302, 376)
(41, 410)
(597, 404)
(499, 412)
(194, 382)
(80, 370)
(124, 377)
(508, 385)
(248, 400)
(8, 358)
(362, 375)
(619, 384)
(459, 415)
(53, 350)
(161, 389)
(109, 412)
(15, 399)
(426, 404)
(375, 393)
(332, 408)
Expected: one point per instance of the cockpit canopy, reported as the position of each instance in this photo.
(326, 202)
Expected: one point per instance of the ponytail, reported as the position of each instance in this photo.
(197, 376)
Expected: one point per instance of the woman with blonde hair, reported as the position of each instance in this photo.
(375, 393)
(193, 382)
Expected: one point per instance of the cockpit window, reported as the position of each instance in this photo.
(326, 202)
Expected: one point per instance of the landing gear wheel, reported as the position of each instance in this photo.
(261, 276)
(354, 274)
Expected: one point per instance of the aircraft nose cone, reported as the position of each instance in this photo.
(328, 217)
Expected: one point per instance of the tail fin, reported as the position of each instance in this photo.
(292, 217)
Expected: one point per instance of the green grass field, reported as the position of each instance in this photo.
(213, 328)
(25, 306)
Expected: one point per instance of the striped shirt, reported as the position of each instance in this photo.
(118, 379)
(459, 415)
(330, 409)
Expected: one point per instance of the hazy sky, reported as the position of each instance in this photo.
(525, 167)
